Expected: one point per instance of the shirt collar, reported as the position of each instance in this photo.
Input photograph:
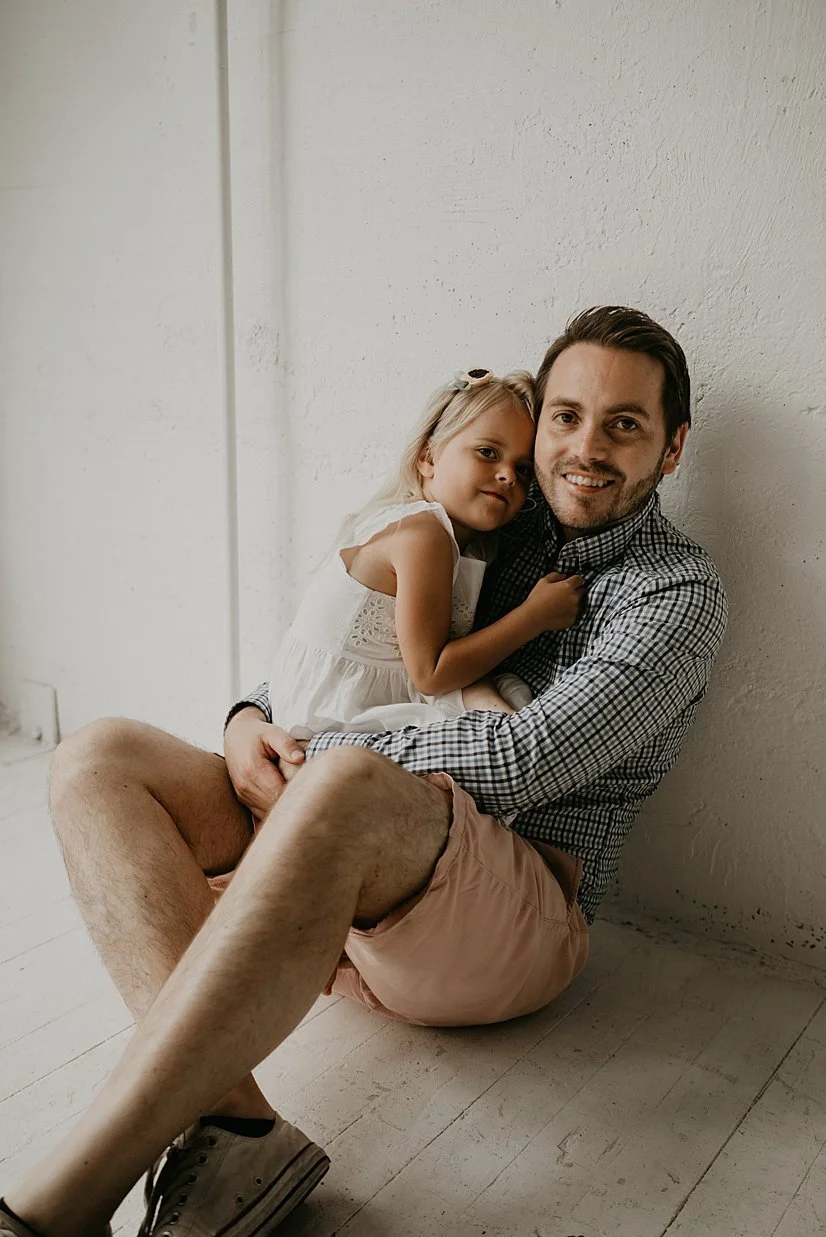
(599, 551)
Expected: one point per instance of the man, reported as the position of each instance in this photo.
(358, 853)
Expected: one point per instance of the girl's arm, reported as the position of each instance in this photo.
(421, 556)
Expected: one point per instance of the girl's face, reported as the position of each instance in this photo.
(481, 475)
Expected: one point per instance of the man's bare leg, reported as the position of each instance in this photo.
(141, 816)
(351, 838)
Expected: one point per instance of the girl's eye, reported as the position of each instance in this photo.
(487, 452)
(525, 472)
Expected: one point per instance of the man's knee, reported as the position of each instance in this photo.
(343, 793)
(101, 746)
(353, 794)
(344, 767)
(391, 825)
(353, 787)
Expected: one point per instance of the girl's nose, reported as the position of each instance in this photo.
(506, 474)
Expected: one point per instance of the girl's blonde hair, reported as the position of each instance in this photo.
(449, 410)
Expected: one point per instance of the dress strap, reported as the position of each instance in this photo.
(376, 521)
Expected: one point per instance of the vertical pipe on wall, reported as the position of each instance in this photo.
(286, 452)
(228, 348)
(254, 124)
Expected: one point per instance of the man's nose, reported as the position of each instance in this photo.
(591, 442)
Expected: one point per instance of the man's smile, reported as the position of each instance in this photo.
(581, 481)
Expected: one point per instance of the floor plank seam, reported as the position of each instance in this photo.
(336, 1066)
(584, 1083)
(693, 1060)
(796, 1194)
(30, 1031)
(420, 1151)
(312, 1015)
(79, 1056)
(40, 944)
(758, 1097)
(569, 1100)
(47, 941)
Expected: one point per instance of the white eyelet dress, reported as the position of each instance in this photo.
(339, 666)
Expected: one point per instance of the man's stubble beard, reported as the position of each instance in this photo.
(627, 503)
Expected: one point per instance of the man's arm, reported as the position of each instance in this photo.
(650, 662)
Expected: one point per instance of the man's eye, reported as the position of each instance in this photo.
(626, 423)
(567, 418)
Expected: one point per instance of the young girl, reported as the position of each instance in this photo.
(382, 638)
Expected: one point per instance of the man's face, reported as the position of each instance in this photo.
(601, 444)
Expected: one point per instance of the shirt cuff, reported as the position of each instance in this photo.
(325, 739)
(258, 699)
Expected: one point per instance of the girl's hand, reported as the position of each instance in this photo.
(256, 752)
(555, 601)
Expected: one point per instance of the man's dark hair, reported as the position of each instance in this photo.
(615, 326)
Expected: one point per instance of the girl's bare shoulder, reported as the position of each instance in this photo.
(421, 526)
(403, 541)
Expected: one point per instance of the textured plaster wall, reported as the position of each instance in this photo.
(113, 522)
(459, 178)
(415, 188)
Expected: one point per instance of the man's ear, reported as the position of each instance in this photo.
(674, 451)
(424, 461)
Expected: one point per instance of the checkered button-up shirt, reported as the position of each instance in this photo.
(614, 694)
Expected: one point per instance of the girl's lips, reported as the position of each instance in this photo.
(501, 497)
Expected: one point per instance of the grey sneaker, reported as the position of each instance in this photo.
(213, 1182)
(9, 1227)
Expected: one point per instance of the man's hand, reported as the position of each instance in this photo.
(261, 759)
(289, 768)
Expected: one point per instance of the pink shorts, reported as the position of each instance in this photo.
(498, 932)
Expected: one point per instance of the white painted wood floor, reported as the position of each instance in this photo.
(674, 1089)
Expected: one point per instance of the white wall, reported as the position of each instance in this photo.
(459, 178)
(113, 522)
(415, 188)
